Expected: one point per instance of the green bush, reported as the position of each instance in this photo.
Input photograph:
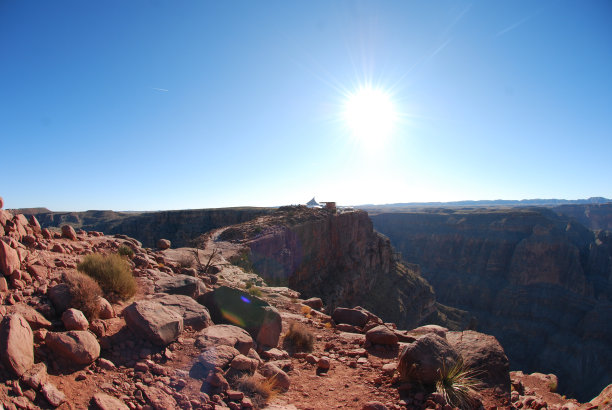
(112, 273)
(126, 251)
(254, 291)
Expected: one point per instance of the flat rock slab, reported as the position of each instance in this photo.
(226, 335)
(102, 401)
(382, 335)
(194, 315)
(16, 344)
(353, 317)
(217, 356)
(31, 315)
(181, 285)
(78, 346)
(153, 321)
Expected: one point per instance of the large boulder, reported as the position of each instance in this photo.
(60, 297)
(9, 259)
(217, 356)
(235, 307)
(68, 232)
(424, 359)
(194, 315)
(280, 378)
(484, 354)
(16, 344)
(77, 346)
(382, 335)
(225, 335)
(181, 285)
(163, 244)
(355, 317)
(153, 321)
(74, 319)
(31, 315)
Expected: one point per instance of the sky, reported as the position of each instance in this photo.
(153, 105)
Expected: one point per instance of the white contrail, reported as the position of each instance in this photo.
(515, 25)
(160, 89)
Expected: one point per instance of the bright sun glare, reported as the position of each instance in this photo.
(370, 114)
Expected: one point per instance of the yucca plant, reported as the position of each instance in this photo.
(458, 384)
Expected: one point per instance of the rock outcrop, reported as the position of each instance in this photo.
(337, 257)
(540, 283)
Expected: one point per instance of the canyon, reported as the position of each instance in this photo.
(536, 279)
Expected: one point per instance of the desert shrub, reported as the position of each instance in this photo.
(298, 338)
(258, 388)
(84, 294)
(248, 284)
(185, 260)
(112, 273)
(458, 384)
(254, 291)
(126, 251)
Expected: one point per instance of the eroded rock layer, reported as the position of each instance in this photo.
(541, 283)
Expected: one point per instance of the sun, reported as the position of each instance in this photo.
(370, 114)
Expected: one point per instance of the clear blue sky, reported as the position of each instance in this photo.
(146, 105)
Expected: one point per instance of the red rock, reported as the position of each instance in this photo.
(35, 376)
(78, 346)
(69, 233)
(374, 405)
(52, 394)
(157, 323)
(33, 222)
(106, 309)
(1, 203)
(3, 284)
(281, 379)
(46, 233)
(217, 356)
(242, 362)
(315, 303)
(382, 335)
(74, 319)
(16, 344)
(353, 317)
(227, 335)
(31, 315)
(9, 259)
(324, 363)
(102, 401)
(163, 244)
(422, 360)
(38, 271)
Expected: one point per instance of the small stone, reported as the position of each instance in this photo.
(52, 394)
(324, 363)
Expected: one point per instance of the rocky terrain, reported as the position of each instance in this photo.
(593, 216)
(217, 337)
(180, 227)
(339, 257)
(539, 282)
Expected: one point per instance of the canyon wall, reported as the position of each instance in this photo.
(539, 282)
(180, 227)
(340, 258)
(593, 216)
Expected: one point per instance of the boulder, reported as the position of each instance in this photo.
(38, 271)
(52, 394)
(16, 344)
(235, 307)
(153, 321)
(217, 356)
(382, 335)
(106, 310)
(77, 346)
(35, 376)
(31, 315)
(101, 401)
(181, 285)
(484, 354)
(9, 259)
(34, 224)
(422, 360)
(281, 379)
(315, 303)
(60, 297)
(194, 315)
(244, 363)
(69, 233)
(74, 319)
(225, 335)
(355, 317)
(423, 330)
(163, 244)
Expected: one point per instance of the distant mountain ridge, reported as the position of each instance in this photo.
(495, 202)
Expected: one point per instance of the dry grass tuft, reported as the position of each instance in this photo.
(112, 273)
(458, 385)
(185, 260)
(258, 388)
(298, 338)
(84, 293)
